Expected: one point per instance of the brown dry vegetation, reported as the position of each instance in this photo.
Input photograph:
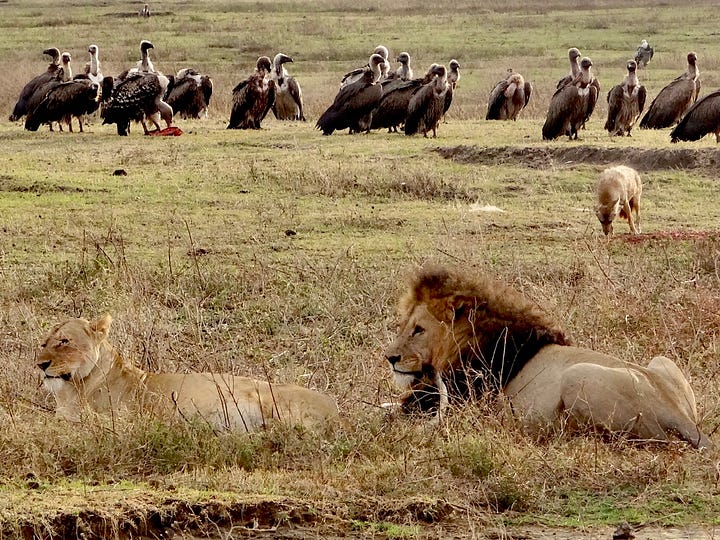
(194, 255)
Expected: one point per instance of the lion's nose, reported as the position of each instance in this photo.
(43, 365)
(393, 358)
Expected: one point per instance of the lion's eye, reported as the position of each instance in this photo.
(64, 341)
(417, 330)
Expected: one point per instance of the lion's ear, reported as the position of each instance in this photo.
(102, 325)
(455, 307)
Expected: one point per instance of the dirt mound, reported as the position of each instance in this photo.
(642, 159)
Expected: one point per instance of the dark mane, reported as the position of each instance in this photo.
(493, 333)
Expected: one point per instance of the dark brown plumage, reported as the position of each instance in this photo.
(571, 105)
(702, 118)
(52, 73)
(353, 106)
(253, 98)
(626, 102)
(189, 94)
(392, 110)
(675, 99)
(427, 105)
(136, 98)
(374, 65)
(508, 98)
(66, 101)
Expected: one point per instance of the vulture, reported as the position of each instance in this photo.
(644, 54)
(508, 98)
(136, 98)
(189, 94)
(52, 73)
(288, 95)
(253, 98)
(626, 102)
(675, 99)
(702, 118)
(454, 75)
(393, 107)
(571, 105)
(63, 75)
(382, 50)
(144, 65)
(427, 105)
(404, 72)
(374, 65)
(67, 100)
(145, 11)
(574, 57)
(353, 106)
(92, 68)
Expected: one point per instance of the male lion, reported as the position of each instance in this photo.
(82, 369)
(461, 336)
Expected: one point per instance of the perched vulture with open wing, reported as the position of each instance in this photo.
(67, 100)
(427, 105)
(288, 95)
(508, 98)
(675, 99)
(253, 98)
(626, 102)
(571, 105)
(137, 98)
(702, 118)
(50, 74)
(189, 94)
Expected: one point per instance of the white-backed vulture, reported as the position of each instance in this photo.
(136, 98)
(675, 99)
(644, 54)
(626, 102)
(353, 106)
(253, 97)
(392, 110)
(508, 98)
(144, 65)
(574, 57)
(288, 95)
(404, 72)
(374, 65)
(64, 75)
(702, 118)
(92, 68)
(67, 100)
(454, 75)
(382, 50)
(50, 74)
(189, 94)
(427, 105)
(571, 105)
(144, 11)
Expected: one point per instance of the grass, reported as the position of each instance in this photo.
(193, 253)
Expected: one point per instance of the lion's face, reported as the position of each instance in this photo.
(411, 354)
(69, 352)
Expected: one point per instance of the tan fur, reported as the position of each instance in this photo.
(460, 336)
(83, 370)
(618, 194)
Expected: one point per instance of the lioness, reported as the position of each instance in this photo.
(82, 369)
(460, 336)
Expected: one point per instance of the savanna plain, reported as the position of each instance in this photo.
(281, 253)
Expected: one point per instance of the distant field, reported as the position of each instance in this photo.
(281, 253)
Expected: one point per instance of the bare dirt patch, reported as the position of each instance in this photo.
(642, 159)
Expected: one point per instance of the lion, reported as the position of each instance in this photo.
(460, 337)
(82, 369)
(618, 194)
